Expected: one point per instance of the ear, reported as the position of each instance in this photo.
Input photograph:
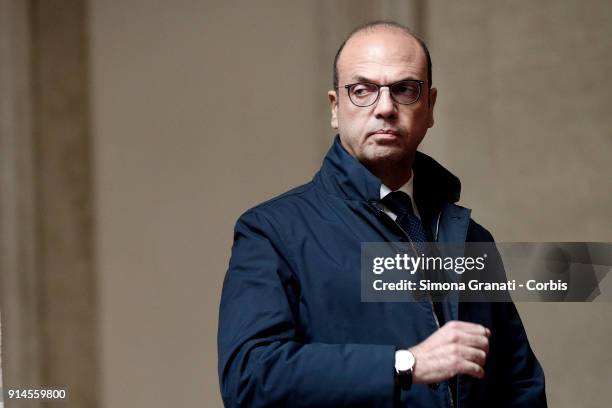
(332, 96)
(433, 95)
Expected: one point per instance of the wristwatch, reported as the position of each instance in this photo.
(404, 364)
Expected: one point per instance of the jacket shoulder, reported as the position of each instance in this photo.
(478, 233)
(278, 208)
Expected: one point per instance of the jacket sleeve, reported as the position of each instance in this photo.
(522, 384)
(262, 361)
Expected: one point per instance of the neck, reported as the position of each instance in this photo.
(393, 174)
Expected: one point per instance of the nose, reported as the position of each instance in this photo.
(385, 106)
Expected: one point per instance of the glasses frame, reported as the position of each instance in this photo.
(378, 87)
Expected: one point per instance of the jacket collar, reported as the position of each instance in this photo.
(342, 175)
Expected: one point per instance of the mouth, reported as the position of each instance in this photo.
(385, 133)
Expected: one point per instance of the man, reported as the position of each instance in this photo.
(293, 331)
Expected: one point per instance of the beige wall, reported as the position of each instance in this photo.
(203, 109)
(191, 129)
(523, 96)
(523, 118)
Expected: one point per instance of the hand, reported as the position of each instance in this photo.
(455, 348)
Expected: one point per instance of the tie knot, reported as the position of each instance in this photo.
(399, 203)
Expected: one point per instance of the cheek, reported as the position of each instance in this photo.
(353, 123)
(416, 120)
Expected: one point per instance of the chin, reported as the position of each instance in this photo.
(378, 153)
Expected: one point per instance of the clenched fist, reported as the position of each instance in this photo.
(455, 348)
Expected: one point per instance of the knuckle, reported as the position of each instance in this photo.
(484, 342)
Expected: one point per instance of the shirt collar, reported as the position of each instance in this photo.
(407, 188)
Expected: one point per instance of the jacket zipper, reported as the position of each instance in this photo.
(450, 392)
(433, 311)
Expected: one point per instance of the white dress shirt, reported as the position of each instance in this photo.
(407, 188)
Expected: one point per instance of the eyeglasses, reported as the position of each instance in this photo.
(404, 92)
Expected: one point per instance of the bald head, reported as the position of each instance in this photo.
(378, 26)
(386, 62)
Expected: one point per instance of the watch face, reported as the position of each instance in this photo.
(404, 360)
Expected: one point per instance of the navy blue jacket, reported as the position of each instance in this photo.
(292, 329)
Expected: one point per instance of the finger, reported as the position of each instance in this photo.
(456, 355)
(472, 354)
(473, 340)
(469, 327)
(456, 336)
(472, 369)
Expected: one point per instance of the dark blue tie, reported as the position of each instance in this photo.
(400, 204)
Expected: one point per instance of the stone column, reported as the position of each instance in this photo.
(47, 292)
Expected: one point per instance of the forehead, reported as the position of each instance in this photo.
(382, 55)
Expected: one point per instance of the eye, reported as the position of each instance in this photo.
(406, 88)
(363, 89)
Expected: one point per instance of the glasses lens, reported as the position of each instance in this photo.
(363, 94)
(406, 92)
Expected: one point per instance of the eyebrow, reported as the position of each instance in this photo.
(360, 78)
